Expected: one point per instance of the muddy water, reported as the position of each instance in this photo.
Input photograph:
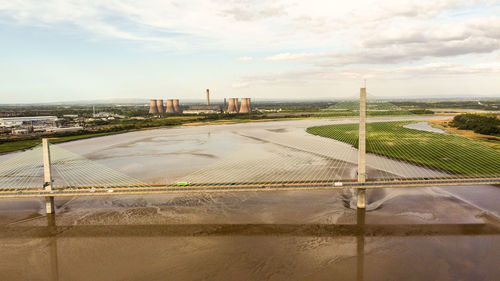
(412, 234)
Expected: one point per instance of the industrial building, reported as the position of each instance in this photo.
(152, 107)
(11, 122)
(203, 109)
(244, 107)
(63, 130)
(232, 106)
(157, 106)
(36, 124)
(172, 106)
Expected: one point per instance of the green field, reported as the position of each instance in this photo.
(447, 152)
(26, 144)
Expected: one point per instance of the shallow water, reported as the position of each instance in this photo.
(410, 234)
(424, 126)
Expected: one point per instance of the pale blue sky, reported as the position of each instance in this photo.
(87, 50)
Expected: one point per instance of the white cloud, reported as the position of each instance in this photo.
(232, 24)
(429, 70)
(298, 56)
(244, 59)
(240, 85)
(330, 39)
(394, 45)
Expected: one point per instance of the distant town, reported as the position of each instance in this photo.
(22, 126)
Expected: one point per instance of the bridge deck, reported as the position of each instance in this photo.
(231, 187)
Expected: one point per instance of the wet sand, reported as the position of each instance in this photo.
(411, 234)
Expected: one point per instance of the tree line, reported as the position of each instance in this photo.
(481, 124)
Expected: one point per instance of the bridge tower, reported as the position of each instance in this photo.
(361, 193)
(47, 176)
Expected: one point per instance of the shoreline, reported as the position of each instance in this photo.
(187, 124)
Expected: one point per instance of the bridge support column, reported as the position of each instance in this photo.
(47, 176)
(361, 194)
(49, 205)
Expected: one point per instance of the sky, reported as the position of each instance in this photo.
(67, 50)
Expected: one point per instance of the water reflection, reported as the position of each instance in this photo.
(359, 230)
(360, 245)
(54, 264)
(52, 231)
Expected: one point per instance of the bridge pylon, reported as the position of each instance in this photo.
(361, 192)
(47, 176)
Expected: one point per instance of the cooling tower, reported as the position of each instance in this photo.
(208, 97)
(177, 108)
(152, 107)
(170, 106)
(245, 105)
(159, 106)
(233, 105)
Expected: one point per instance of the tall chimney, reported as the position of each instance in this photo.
(159, 106)
(208, 97)
(152, 107)
(170, 106)
(177, 108)
(224, 108)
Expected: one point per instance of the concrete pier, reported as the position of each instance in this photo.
(49, 205)
(361, 194)
(47, 176)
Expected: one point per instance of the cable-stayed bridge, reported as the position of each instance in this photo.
(371, 153)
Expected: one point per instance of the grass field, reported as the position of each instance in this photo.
(26, 144)
(447, 152)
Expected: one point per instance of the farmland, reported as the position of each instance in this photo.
(446, 152)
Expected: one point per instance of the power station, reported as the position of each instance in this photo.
(233, 105)
(152, 107)
(246, 106)
(177, 108)
(159, 106)
(172, 106)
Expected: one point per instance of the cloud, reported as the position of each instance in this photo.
(425, 71)
(297, 56)
(249, 14)
(240, 85)
(392, 46)
(231, 24)
(444, 69)
(244, 59)
(328, 40)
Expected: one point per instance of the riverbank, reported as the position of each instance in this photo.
(443, 124)
(447, 152)
(175, 121)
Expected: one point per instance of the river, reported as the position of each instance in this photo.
(411, 234)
